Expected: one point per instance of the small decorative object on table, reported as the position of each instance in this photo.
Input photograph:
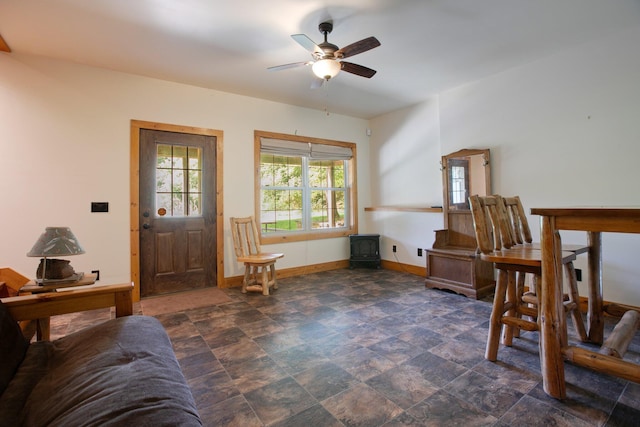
(56, 241)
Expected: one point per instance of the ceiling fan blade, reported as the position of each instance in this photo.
(358, 70)
(358, 47)
(287, 66)
(4, 47)
(317, 83)
(307, 43)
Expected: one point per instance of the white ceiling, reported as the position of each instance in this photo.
(427, 46)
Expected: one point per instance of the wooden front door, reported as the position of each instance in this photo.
(177, 212)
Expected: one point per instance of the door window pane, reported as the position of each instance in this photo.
(179, 180)
(163, 201)
(195, 201)
(163, 180)
(194, 181)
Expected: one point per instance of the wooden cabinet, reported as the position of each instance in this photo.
(453, 263)
(459, 270)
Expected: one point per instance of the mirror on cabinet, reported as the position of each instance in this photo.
(453, 263)
(464, 173)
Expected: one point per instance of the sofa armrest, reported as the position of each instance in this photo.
(38, 306)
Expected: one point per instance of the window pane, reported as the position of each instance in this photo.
(195, 158)
(163, 180)
(194, 204)
(178, 200)
(266, 171)
(326, 173)
(327, 209)
(194, 181)
(338, 174)
(164, 156)
(163, 201)
(281, 200)
(280, 171)
(281, 210)
(178, 181)
(179, 157)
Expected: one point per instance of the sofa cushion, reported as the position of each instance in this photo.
(33, 367)
(13, 347)
(120, 372)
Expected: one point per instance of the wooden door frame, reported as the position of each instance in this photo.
(134, 191)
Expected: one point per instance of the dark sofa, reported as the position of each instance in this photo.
(121, 372)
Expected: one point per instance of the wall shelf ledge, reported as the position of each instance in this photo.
(404, 209)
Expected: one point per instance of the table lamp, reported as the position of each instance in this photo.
(56, 241)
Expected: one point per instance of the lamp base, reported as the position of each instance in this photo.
(54, 269)
(75, 277)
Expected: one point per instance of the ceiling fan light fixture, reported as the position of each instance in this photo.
(326, 68)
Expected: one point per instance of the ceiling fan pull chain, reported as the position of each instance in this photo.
(326, 97)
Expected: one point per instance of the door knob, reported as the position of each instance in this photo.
(146, 226)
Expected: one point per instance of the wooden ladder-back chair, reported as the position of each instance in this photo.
(259, 267)
(522, 235)
(497, 245)
(521, 230)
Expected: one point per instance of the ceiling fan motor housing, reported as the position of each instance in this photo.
(328, 50)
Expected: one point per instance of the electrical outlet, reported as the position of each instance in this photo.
(394, 248)
(419, 251)
(578, 275)
(97, 273)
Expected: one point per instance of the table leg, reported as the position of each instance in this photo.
(43, 329)
(551, 312)
(595, 321)
(124, 303)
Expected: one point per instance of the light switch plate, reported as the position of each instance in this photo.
(99, 206)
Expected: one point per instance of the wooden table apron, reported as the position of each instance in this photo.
(594, 221)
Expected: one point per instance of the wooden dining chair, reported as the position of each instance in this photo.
(522, 231)
(497, 245)
(259, 267)
(522, 235)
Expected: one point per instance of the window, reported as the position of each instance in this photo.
(178, 180)
(305, 187)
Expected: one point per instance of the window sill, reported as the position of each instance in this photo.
(300, 237)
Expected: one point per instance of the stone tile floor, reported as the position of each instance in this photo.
(366, 348)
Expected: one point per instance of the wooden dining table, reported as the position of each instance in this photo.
(553, 351)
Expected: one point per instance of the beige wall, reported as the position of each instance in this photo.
(563, 131)
(64, 142)
(405, 171)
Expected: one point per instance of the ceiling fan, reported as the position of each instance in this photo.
(327, 57)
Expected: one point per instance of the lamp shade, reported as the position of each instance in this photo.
(326, 68)
(56, 241)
